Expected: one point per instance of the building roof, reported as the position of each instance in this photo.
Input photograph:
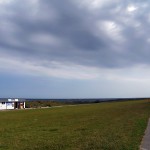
(12, 99)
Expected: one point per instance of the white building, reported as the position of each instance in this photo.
(12, 103)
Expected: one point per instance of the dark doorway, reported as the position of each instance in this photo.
(15, 105)
(18, 105)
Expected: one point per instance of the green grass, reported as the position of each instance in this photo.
(104, 126)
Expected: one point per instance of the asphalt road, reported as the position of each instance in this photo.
(145, 145)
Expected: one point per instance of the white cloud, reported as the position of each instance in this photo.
(111, 29)
(95, 4)
(67, 70)
(98, 3)
(131, 8)
(138, 73)
(50, 68)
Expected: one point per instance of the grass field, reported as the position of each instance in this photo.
(104, 126)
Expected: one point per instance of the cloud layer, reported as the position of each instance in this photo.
(72, 38)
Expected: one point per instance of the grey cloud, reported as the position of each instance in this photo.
(80, 41)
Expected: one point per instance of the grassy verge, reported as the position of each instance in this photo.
(104, 126)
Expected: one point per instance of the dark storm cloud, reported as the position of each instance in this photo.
(115, 34)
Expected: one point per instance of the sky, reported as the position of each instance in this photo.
(74, 48)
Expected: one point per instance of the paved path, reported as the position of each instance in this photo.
(145, 145)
